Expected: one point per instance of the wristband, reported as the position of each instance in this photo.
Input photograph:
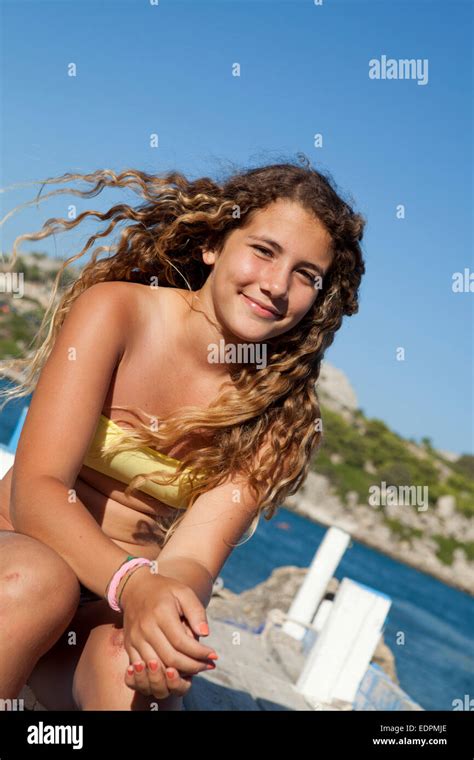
(130, 556)
(130, 573)
(124, 568)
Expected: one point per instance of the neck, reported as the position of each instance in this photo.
(199, 329)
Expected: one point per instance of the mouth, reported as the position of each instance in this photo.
(269, 312)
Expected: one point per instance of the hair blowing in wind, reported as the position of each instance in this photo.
(162, 241)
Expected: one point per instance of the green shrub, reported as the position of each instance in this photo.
(447, 545)
(464, 466)
(394, 463)
(403, 532)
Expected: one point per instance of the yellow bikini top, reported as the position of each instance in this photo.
(125, 465)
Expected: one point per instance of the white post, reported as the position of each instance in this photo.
(341, 655)
(6, 461)
(320, 572)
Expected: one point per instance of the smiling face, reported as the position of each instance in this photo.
(251, 273)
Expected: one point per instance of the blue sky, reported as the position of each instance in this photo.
(167, 69)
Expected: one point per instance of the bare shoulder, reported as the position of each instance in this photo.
(155, 305)
(128, 301)
(117, 291)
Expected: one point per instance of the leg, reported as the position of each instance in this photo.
(39, 594)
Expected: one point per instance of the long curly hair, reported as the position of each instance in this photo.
(276, 405)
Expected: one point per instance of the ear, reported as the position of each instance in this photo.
(209, 257)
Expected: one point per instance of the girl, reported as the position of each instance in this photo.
(219, 420)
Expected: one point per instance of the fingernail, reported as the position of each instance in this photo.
(130, 670)
(138, 667)
(211, 666)
(170, 673)
(213, 656)
(153, 665)
(204, 629)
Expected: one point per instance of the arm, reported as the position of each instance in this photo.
(197, 551)
(58, 429)
(192, 573)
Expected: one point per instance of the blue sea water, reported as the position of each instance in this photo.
(435, 664)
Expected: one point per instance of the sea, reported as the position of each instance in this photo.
(435, 656)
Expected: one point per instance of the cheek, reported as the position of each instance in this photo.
(244, 269)
(303, 305)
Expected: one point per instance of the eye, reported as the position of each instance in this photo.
(263, 250)
(309, 275)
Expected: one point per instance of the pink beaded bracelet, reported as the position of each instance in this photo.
(117, 577)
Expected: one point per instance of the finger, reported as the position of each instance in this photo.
(173, 629)
(160, 643)
(177, 683)
(193, 609)
(162, 680)
(189, 630)
(140, 672)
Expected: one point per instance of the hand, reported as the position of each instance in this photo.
(177, 683)
(161, 624)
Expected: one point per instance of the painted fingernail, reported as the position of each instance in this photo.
(204, 629)
(211, 666)
(213, 656)
(130, 670)
(138, 667)
(170, 673)
(153, 665)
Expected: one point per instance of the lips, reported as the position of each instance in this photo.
(262, 305)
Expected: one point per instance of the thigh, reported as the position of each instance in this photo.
(52, 679)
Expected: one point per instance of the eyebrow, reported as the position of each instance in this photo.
(279, 248)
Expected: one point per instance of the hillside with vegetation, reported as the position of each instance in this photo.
(20, 318)
(355, 456)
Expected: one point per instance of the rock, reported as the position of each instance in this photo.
(450, 456)
(446, 505)
(253, 607)
(370, 468)
(352, 498)
(335, 391)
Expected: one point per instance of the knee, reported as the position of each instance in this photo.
(32, 574)
(99, 677)
(106, 645)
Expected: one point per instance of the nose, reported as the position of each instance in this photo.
(275, 282)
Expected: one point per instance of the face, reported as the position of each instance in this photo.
(251, 274)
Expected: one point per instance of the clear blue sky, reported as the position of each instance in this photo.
(166, 68)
